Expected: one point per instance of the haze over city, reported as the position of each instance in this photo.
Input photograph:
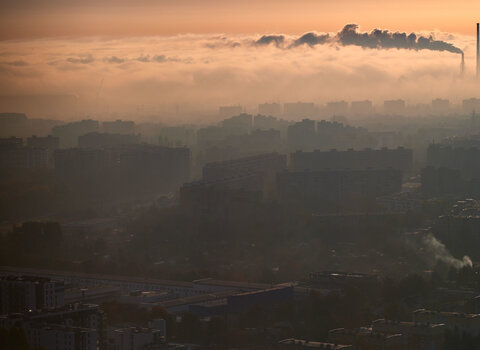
(220, 174)
(190, 57)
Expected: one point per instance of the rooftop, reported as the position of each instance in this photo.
(313, 344)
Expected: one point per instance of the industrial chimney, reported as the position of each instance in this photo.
(478, 51)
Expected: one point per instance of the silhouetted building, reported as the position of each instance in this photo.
(322, 189)
(13, 124)
(440, 106)
(119, 127)
(52, 336)
(177, 136)
(229, 111)
(211, 135)
(399, 158)
(17, 124)
(339, 136)
(133, 338)
(220, 196)
(361, 107)
(441, 181)
(337, 108)
(302, 135)
(49, 142)
(270, 109)
(106, 140)
(11, 142)
(386, 139)
(266, 165)
(299, 110)
(241, 122)
(77, 164)
(394, 107)
(465, 159)
(129, 169)
(27, 293)
(69, 133)
(13, 155)
(268, 122)
(75, 326)
(471, 105)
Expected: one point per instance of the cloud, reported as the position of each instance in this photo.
(17, 63)
(186, 69)
(222, 43)
(311, 39)
(114, 59)
(143, 59)
(81, 60)
(269, 39)
(159, 58)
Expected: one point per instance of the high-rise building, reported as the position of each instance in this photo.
(13, 155)
(106, 140)
(69, 133)
(20, 294)
(337, 108)
(471, 105)
(119, 127)
(135, 338)
(242, 122)
(361, 107)
(49, 142)
(270, 109)
(394, 106)
(333, 187)
(440, 106)
(384, 158)
(229, 111)
(298, 110)
(302, 135)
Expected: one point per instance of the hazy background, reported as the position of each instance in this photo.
(188, 57)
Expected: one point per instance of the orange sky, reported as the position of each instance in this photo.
(46, 18)
(204, 53)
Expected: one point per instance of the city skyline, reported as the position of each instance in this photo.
(161, 56)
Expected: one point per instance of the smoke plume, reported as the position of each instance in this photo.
(376, 39)
(439, 252)
(268, 39)
(384, 39)
(311, 39)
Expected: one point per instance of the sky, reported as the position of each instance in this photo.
(205, 53)
(40, 18)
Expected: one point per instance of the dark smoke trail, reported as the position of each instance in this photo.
(384, 39)
(311, 39)
(376, 39)
(268, 39)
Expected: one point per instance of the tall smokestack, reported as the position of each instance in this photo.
(478, 50)
(462, 68)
